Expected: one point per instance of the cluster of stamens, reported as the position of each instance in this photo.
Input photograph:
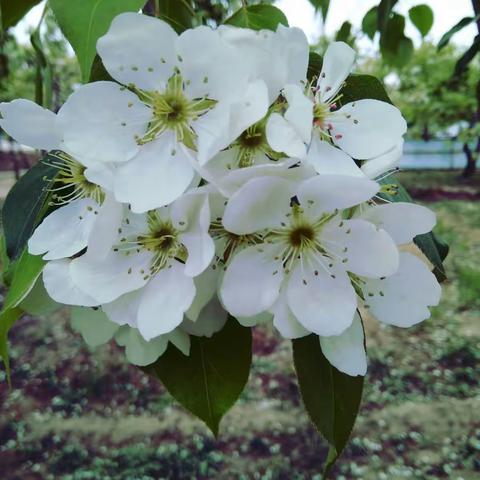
(161, 239)
(70, 182)
(173, 110)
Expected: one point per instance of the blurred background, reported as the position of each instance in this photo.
(74, 413)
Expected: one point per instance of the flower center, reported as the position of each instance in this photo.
(251, 142)
(173, 110)
(70, 181)
(301, 235)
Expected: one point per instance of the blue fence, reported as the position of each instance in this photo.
(434, 154)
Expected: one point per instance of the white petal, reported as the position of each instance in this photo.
(299, 112)
(403, 298)
(65, 231)
(180, 339)
(211, 320)
(164, 301)
(346, 352)
(124, 310)
(109, 277)
(252, 281)
(191, 211)
(367, 128)
(213, 132)
(210, 66)
(377, 166)
(403, 221)
(101, 123)
(284, 320)
(156, 176)
(101, 174)
(283, 137)
(330, 192)
(201, 250)
(327, 159)
(261, 203)
(365, 249)
(122, 50)
(337, 65)
(322, 304)
(30, 124)
(59, 284)
(206, 287)
(104, 232)
(137, 350)
(249, 109)
(94, 326)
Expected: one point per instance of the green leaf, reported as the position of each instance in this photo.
(435, 249)
(25, 204)
(358, 87)
(38, 302)
(323, 6)
(210, 380)
(83, 23)
(383, 14)
(396, 48)
(258, 17)
(331, 398)
(370, 22)
(456, 28)
(178, 13)
(25, 273)
(99, 72)
(344, 33)
(315, 62)
(14, 10)
(422, 17)
(7, 319)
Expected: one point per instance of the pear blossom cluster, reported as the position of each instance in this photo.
(208, 179)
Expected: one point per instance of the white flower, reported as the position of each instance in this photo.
(401, 299)
(141, 271)
(277, 58)
(307, 250)
(79, 188)
(363, 129)
(185, 98)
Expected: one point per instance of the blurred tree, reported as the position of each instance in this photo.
(433, 103)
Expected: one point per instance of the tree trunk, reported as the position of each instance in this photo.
(471, 165)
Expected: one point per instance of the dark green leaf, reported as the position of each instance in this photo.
(258, 17)
(432, 247)
(83, 23)
(383, 14)
(358, 87)
(315, 62)
(99, 72)
(209, 381)
(331, 398)
(24, 206)
(370, 22)
(178, 13)
(344, 34)
(25, 273)
(7, 319)
(38, 302)
(422, 17)
(463, 62)
(456, 28)
(14, 10)
(396, 48)
(323, 6)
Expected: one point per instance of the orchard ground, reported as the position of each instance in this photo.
(80, 414)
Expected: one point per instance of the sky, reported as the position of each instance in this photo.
(300, 13)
